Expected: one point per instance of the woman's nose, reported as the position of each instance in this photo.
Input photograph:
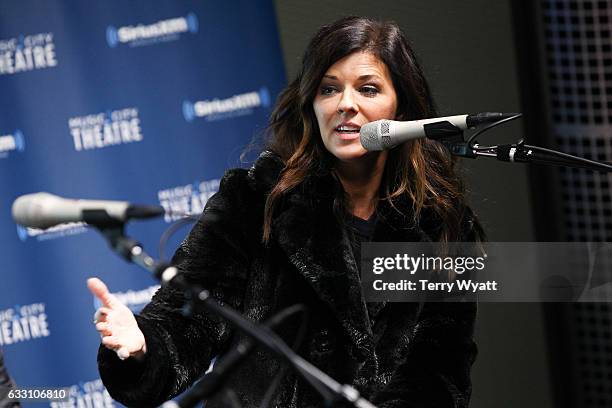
(347, 104)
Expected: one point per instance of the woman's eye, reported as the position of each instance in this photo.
(369, 90)
(327, 90)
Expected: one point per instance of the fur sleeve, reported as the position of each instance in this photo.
(215, 255)
(6, 384)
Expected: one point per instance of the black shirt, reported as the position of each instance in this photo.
(361, 230)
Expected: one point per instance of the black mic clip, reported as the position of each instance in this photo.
(451, 137)
(462, 149)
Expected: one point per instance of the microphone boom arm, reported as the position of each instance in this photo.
(523, 153)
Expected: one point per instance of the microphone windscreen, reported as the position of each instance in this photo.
(369, 136)
(27, 209)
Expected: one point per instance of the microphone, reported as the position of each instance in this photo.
(386, 134)
(44, 210)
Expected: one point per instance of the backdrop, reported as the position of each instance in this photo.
(142, 101)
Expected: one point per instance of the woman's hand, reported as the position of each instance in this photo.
(116, 324)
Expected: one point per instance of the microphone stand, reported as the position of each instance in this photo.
(199, 298)
(519, 153)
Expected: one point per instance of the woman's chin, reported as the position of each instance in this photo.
(354, 154)
(349, 153)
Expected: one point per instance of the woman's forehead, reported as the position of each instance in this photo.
(358, 64)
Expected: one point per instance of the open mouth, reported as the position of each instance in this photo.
(347, 129)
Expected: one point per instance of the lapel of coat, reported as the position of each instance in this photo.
(316, 244)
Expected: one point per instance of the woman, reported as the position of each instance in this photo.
(288, 231)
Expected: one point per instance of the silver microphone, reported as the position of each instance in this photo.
(44, 210)
(386, 134)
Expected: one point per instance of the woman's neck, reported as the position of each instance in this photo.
(361, 180)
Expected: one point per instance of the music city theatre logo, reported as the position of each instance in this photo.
(105, 129)
(89, 394)
(236, 105)
(14, 142)
(147, 34)
(188, 199)
(27, 53)
(20, 324)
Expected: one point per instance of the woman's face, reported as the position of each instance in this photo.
(354, 91)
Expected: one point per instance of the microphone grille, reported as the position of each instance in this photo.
(369, 136)
(387, 142)
(27, 210)
(384, 128)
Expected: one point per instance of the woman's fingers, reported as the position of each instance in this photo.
(113, 343)
(116, 323)
(99, 290)
(123, 353)
(110, 341)
(102, 319)
(103, 328)
(100, 315)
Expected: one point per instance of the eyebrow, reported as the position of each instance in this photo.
(362, 77)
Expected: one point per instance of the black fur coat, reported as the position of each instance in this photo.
(6, 384)
(396, 354)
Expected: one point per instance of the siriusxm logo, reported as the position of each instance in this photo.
(105, 129)
(12, 142)
(27, 53)
(237, 105)
(186, 200)
(135, 300)
(161, 31)
(62, 230)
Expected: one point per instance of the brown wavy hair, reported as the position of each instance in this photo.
(422, 170)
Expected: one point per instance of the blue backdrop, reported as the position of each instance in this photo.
(142, 101)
